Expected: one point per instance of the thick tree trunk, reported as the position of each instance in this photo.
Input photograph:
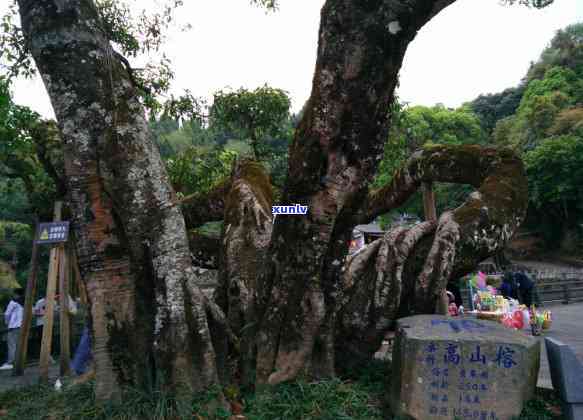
(407, 271)
(245, 240)
(132, 235)
(333, 157)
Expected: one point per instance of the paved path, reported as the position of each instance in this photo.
(568, 328)
(30, 377)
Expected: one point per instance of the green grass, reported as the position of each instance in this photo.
(327, 400)
(334, 399)
(540, 407)
(358, 396)
(212, 229)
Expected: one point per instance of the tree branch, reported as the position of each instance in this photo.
(429, 164)
(407, 270)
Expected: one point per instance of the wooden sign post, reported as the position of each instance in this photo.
(56, 233)
(22, 348)
(65, 331)
(429, 202)
(60, 266)
(47, 339)
(431, 215)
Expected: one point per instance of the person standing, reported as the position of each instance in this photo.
(39, 311)
(82, 358)
(509, 288)
(526, 289)
(13, 319)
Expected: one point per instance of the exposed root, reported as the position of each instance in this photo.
(399, 245)
(375, 277)
(438, 266)
(290, 361)
(86, 377)
(205, 367)
(219, 317)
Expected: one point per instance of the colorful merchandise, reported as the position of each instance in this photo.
(490, 305)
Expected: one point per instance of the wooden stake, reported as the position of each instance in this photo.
(429, 202)
(22, 349)
(64, 315)
(49, 304)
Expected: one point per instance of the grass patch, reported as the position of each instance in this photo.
(545, 406)
(326, 400)
(331, 399)
(358, 396)
(212, 229)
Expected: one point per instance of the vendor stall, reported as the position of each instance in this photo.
(487, 303)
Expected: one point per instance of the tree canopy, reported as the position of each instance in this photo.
(544, 124)
(253, 114)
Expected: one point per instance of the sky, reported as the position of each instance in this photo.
(470, 48)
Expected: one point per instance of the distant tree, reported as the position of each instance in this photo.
(160, 129)
(555, 170)
(30, 151)
(491, 108)
(560, 90)
(565, 50)
(195, 171)
(254, 114)
(414, 127)
(568, 121)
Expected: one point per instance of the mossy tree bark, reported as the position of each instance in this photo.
(406, 271)
(245, 240)
(334, 155)
(132, 241)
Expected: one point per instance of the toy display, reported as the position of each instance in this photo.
(490, 305)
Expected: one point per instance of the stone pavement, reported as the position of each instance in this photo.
(30, 377)
(568, 328)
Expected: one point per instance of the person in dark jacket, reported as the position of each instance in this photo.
(454, 288)
(509, 288)
(526, 289)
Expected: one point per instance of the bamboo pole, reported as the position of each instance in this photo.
(49, 304)
(21, 354)
(429, 201)
(64, 324)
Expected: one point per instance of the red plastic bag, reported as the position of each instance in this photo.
(518, 320)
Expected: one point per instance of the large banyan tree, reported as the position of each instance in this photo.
(288, 297)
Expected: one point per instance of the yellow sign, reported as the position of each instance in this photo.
(51, 233)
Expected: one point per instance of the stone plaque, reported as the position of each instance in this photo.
(447, 368)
